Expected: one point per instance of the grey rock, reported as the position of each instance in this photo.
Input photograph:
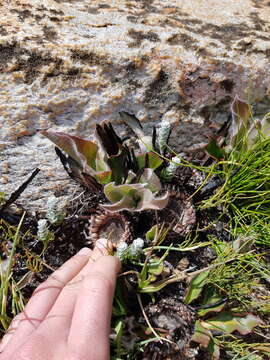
(71, 64)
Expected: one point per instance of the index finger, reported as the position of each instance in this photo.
(90, 326)
(44, 298)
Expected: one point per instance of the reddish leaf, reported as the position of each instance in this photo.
(104, 177)
(82, 151)
(239, 128)
(228, 322)
(204, 337)
(201, 335)
(240, 110)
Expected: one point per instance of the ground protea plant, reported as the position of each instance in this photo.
(128, 176)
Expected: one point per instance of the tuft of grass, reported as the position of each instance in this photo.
(238, 349)
(245, 197)
(9, 287)
(259, 230)
(238, 279)
(2, 197)
(246, 190)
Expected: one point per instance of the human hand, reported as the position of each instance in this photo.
(68, 316)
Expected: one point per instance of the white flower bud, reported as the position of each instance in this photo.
(138, 243)
(136, 247)
(43, 231)
(172, 167)
(121, 250)
(163, 134)
(52, 214)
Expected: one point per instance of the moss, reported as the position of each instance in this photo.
(55, 18)
(89, 57)
(257, 21)
(156, 88)
(227, 84)
(49, 33)
(3, 31)
(22, 14)
(27, 61)
(92, 10)
(32, 65)
(56, 12)
(7, 53)
(104, 6)
(182, 39)
(139, 36)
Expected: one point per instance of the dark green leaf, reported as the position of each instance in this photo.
(214, 150)
(195, 287)
(154, 161)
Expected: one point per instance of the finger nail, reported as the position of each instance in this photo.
(102, 244)
(84, 251)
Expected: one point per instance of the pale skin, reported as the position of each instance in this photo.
(68, 316)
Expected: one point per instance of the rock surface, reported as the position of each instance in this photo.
(70, 64)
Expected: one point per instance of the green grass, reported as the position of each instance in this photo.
(241, 350)
(247, 192)
(9, 288)
(245, 196)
